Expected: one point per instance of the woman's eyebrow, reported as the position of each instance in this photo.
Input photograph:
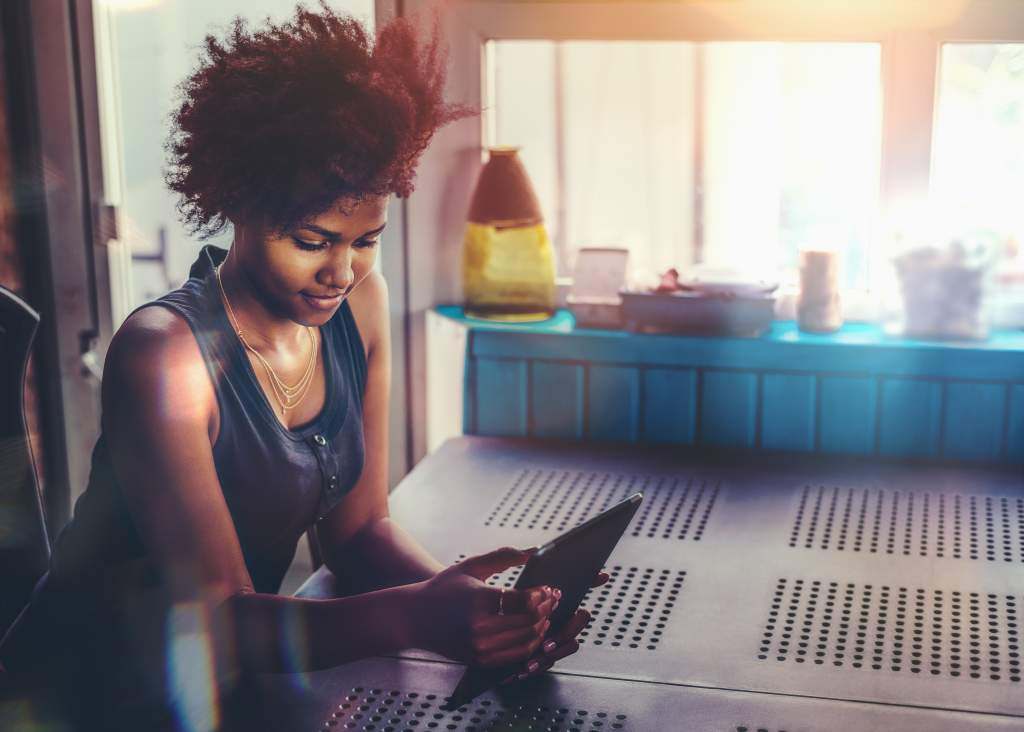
(334, 235)
(373, 232)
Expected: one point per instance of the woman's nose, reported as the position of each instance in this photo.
(339, 272)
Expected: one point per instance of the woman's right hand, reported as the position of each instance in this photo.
(456, 612)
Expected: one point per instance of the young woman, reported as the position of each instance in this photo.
(251, 404)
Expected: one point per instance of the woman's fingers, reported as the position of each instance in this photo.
(548, 605)
(561, 651)
(535, 611)
(542, 662)
(554, 648)
(492, 624)
(516, 602)
(548, 659)
(487, 646)
(558, 646)
(601, 578)
(513, 637)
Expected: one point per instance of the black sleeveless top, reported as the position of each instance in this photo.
(277, 482)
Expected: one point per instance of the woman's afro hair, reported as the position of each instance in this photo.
(277, 124)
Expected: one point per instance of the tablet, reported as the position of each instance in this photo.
(569, 562)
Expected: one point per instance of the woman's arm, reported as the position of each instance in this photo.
(453, 613)
(382, 554)
(360, 543)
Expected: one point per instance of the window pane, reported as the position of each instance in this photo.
(792, 148)
(978, 169)
(527, 114)
(627, 148)
(727, 153)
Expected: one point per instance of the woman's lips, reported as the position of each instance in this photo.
(323, 303)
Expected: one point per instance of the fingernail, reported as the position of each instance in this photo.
(549, 646)
(532, 666)
(558, 593)
(522, 676)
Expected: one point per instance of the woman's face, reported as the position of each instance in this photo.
(305, 273)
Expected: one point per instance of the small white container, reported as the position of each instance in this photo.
(943, 292)
(599, 275)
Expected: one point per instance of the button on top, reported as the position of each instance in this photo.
(320, 440)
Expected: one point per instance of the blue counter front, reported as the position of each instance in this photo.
(855, 392)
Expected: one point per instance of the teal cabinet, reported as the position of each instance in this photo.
(855, 392)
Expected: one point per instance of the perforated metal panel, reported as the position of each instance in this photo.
(569, 702)
(633, 610)
(396, 710)
(894, 629)
(555, 500)
(910, 523)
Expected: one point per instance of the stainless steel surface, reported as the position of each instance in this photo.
(751, 593)
(383, 692)
(735, 544)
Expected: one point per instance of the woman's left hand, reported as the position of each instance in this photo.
(558, 645)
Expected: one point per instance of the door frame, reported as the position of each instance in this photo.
(58, 193)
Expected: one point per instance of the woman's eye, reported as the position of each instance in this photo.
(309, 246)
(367, 243)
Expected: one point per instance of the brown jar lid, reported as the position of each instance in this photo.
(504, 196)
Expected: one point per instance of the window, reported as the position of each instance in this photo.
(697, 152)
(841, 103)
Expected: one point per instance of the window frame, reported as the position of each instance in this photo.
(60, 219)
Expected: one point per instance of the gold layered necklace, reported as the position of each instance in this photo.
(287, 396)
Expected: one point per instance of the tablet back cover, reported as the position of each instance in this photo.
(570, 562)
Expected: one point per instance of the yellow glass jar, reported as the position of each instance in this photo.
(508, 274)
(508, 266)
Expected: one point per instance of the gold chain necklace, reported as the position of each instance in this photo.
(287, 396)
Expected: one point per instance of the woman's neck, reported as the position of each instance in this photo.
(263, 328)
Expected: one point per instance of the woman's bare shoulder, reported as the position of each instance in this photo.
(150, 336)
(155, 357)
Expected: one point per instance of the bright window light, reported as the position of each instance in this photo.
(725, 153)
(978, 153)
